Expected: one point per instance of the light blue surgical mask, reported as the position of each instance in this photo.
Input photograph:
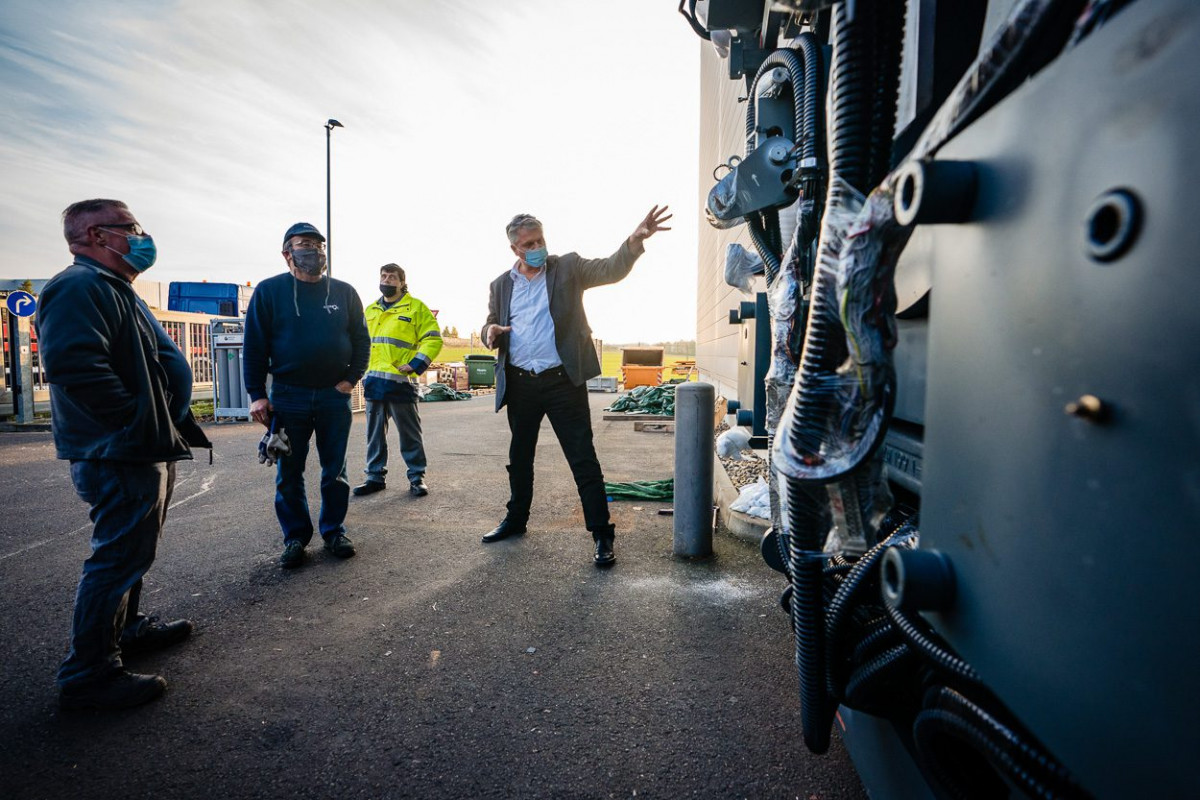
(142, 251)
(536, 258)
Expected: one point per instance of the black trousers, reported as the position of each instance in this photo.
(530, 398)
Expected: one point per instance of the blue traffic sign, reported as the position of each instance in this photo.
(23, 304)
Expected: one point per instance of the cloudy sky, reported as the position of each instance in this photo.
(207, 118)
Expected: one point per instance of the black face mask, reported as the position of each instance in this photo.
(310, 262)
(388, 291)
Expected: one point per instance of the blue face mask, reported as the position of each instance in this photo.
(536, 258)
(142, 252)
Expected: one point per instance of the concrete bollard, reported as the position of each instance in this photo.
(694, 403)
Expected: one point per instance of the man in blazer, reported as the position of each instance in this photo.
(537, 322)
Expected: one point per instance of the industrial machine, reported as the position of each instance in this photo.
(982, 402)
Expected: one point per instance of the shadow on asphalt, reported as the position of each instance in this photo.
(427, 666)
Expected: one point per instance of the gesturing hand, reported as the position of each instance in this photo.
(493, 332)
(652, 224)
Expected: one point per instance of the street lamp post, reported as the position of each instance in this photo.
(329, 126)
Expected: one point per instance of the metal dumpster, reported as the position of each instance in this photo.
(641, 366)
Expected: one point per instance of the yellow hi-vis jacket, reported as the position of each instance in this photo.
(404, 333)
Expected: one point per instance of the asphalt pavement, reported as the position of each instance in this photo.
(428, 666)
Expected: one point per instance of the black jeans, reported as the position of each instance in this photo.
(551, 394)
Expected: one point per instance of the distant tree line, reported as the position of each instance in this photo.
(680, 347)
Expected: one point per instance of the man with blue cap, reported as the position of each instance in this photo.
(307, 329)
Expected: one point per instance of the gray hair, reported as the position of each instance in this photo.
(77, 217)
(520, 222)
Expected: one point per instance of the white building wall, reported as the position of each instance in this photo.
(722, 134)
(153, 292)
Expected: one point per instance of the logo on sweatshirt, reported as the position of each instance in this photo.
(330, 308)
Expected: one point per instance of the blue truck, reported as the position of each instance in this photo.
(218, 299)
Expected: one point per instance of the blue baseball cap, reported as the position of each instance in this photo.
(302, 229)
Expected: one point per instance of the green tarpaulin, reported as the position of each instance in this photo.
(641, 490)
(647, 400)
(440, 391)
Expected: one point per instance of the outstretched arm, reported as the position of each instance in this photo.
(601, 271)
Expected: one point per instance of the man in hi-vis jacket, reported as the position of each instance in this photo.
(404, 342)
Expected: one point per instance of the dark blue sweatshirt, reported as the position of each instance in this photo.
(304, 334)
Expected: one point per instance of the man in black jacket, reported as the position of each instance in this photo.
(546, 356)
(120, 403)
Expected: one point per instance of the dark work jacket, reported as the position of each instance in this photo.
(304, 334)
(110, 397)
(567, 277)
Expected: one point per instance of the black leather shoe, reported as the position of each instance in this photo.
(155, 635)
(370, 487)
(340, 546)
(121, 689)
(293, 554)
(505, 529)
(418, 488)
(604, 551)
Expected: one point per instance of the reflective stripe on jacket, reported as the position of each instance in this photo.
(404, 333)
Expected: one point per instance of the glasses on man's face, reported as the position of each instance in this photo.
(125, 227)
(308, 244)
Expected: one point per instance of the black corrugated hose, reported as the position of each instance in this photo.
(806, 534)
(866, 688)
(863, 578)
(938, 656)
(877, 635)
(854, 123)
(970, 754)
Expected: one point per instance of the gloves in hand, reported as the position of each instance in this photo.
(273, 446)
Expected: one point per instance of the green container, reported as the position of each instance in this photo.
(481, 370)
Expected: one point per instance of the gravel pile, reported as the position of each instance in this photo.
(743, 473)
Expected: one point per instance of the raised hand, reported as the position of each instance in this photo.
(652, 224)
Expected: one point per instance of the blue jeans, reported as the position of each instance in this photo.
(128, 507)
(301, 412)
(408, 429)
